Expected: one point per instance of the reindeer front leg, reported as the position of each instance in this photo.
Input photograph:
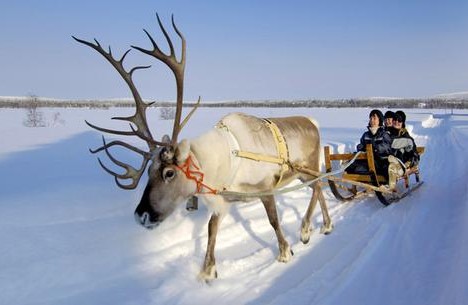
(284, 249)
(208, 271)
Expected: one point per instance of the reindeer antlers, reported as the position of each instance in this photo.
(177, 67)
(139, 118)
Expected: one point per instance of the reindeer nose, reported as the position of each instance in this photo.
(145, 220)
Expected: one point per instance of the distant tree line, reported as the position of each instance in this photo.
(439, 103)
(347, 103)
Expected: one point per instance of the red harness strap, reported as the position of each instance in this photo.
(195, 175)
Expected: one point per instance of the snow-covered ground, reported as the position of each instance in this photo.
(68, 236)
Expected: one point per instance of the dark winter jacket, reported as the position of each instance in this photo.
(381, 143)
(404, 147)
(390, 130)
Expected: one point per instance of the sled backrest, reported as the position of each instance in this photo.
(367, 177)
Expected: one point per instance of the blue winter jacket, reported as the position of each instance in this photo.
(381, 143)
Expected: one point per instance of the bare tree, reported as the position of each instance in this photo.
(57, 120)
(167, 113)
(34, 117)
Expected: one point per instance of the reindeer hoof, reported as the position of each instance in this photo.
(208, 275)
(285, 256)
(327, 229)
(305, 235)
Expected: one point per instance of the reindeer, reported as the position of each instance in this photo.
(243, 154)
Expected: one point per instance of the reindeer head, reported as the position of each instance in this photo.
(166, 185)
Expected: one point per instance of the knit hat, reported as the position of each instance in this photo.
(401, 117)
(379, 114)
(389, 114)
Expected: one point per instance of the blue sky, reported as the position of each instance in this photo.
(239, 49)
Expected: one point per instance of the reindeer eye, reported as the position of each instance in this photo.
(168, 174)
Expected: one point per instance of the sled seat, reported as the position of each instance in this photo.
(371, 175)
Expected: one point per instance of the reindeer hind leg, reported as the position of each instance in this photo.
(284, 249)
(306, 228)
(327, 226)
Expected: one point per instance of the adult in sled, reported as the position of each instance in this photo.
(404, 153)
(380, 140)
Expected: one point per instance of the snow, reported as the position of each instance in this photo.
(68, 235)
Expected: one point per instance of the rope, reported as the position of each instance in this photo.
(196, 175)
(293, 188)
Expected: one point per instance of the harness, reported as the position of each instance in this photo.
(282, 157)
(192, 171)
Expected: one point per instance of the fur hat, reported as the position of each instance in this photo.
(379, 114)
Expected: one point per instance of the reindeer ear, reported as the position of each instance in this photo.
(182, 151)
(166, 139)
(167, 154)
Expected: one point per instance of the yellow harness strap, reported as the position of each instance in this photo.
(281, 148)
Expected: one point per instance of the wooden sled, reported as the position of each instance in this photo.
(352, 185)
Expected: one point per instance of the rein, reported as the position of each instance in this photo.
(192, 172)
(284, 190)
(198, 176)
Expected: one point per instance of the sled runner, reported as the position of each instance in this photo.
(355, 184)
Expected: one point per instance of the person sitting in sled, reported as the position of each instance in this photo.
(388, 120)
(404, 153)
(381, 142)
